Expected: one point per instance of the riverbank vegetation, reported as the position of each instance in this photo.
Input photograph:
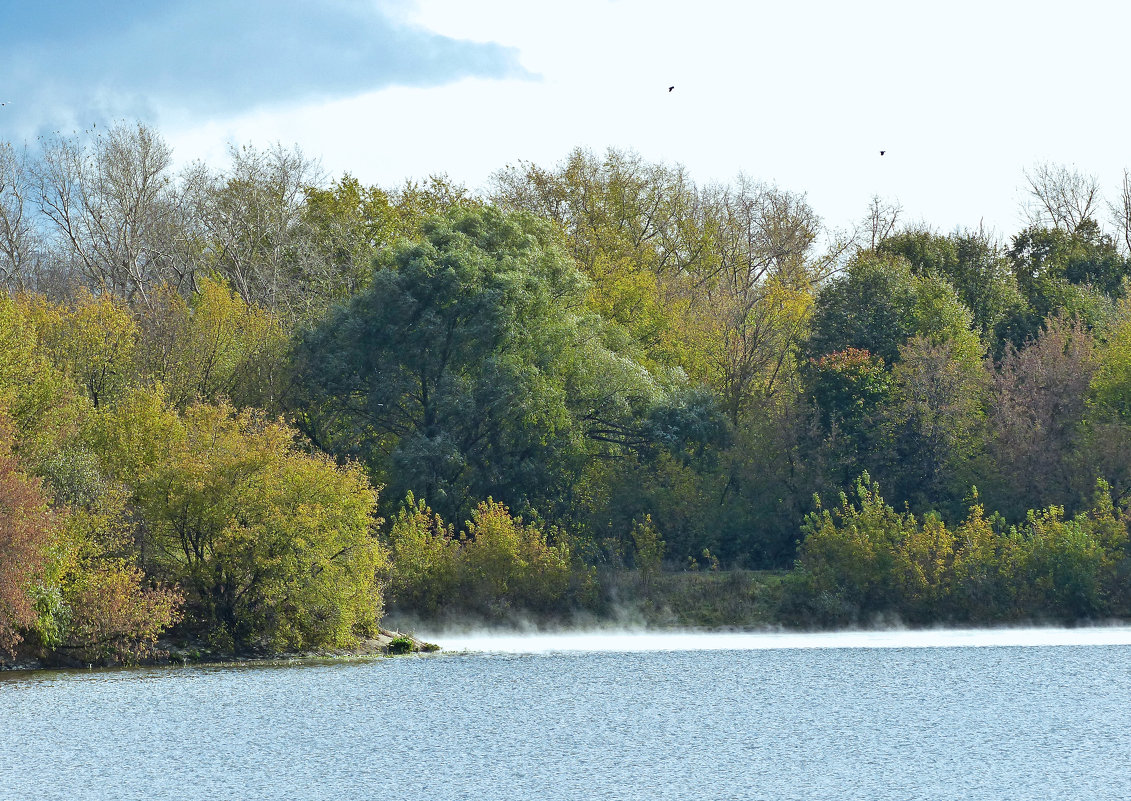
(258, 408)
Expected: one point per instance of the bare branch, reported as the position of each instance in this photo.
(1060, 197)
(1121, 214)
(109, 198)
(21, 247)
(881, 220)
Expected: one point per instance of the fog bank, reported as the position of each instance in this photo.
(639, 641)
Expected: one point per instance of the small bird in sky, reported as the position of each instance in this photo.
(670, 88)
(882, 152)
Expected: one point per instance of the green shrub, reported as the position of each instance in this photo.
(425, 554)
(401, 645)
(847, 567)
(496, 565)
(649, 549)
(859, 562)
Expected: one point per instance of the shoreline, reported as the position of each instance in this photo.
(388, 642)
(645, 639)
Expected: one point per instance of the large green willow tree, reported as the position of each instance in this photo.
(471, 367)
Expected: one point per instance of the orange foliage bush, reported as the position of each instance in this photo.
(25, 528)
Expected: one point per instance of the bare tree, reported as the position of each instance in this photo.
(1060, 197)
(21, 246)
(251, 216)
(111, 201)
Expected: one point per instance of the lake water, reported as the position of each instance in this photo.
(940, 715)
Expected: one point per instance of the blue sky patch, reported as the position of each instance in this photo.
(80, 61)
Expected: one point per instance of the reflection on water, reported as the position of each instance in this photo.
(891, 715)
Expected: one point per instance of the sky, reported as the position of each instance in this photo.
(962, 97)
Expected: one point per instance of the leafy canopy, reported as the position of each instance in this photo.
(471, 367)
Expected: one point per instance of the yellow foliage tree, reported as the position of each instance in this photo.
(93, 341)
(273, 546)
(213, 346)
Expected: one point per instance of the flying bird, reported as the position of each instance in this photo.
(882, 152)
(670, 88)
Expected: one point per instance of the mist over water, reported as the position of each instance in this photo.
(637, 641)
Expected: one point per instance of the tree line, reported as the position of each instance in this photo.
(208, 376)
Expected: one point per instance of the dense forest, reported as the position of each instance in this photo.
(258, 407)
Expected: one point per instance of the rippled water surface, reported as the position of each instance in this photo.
(970, 715)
